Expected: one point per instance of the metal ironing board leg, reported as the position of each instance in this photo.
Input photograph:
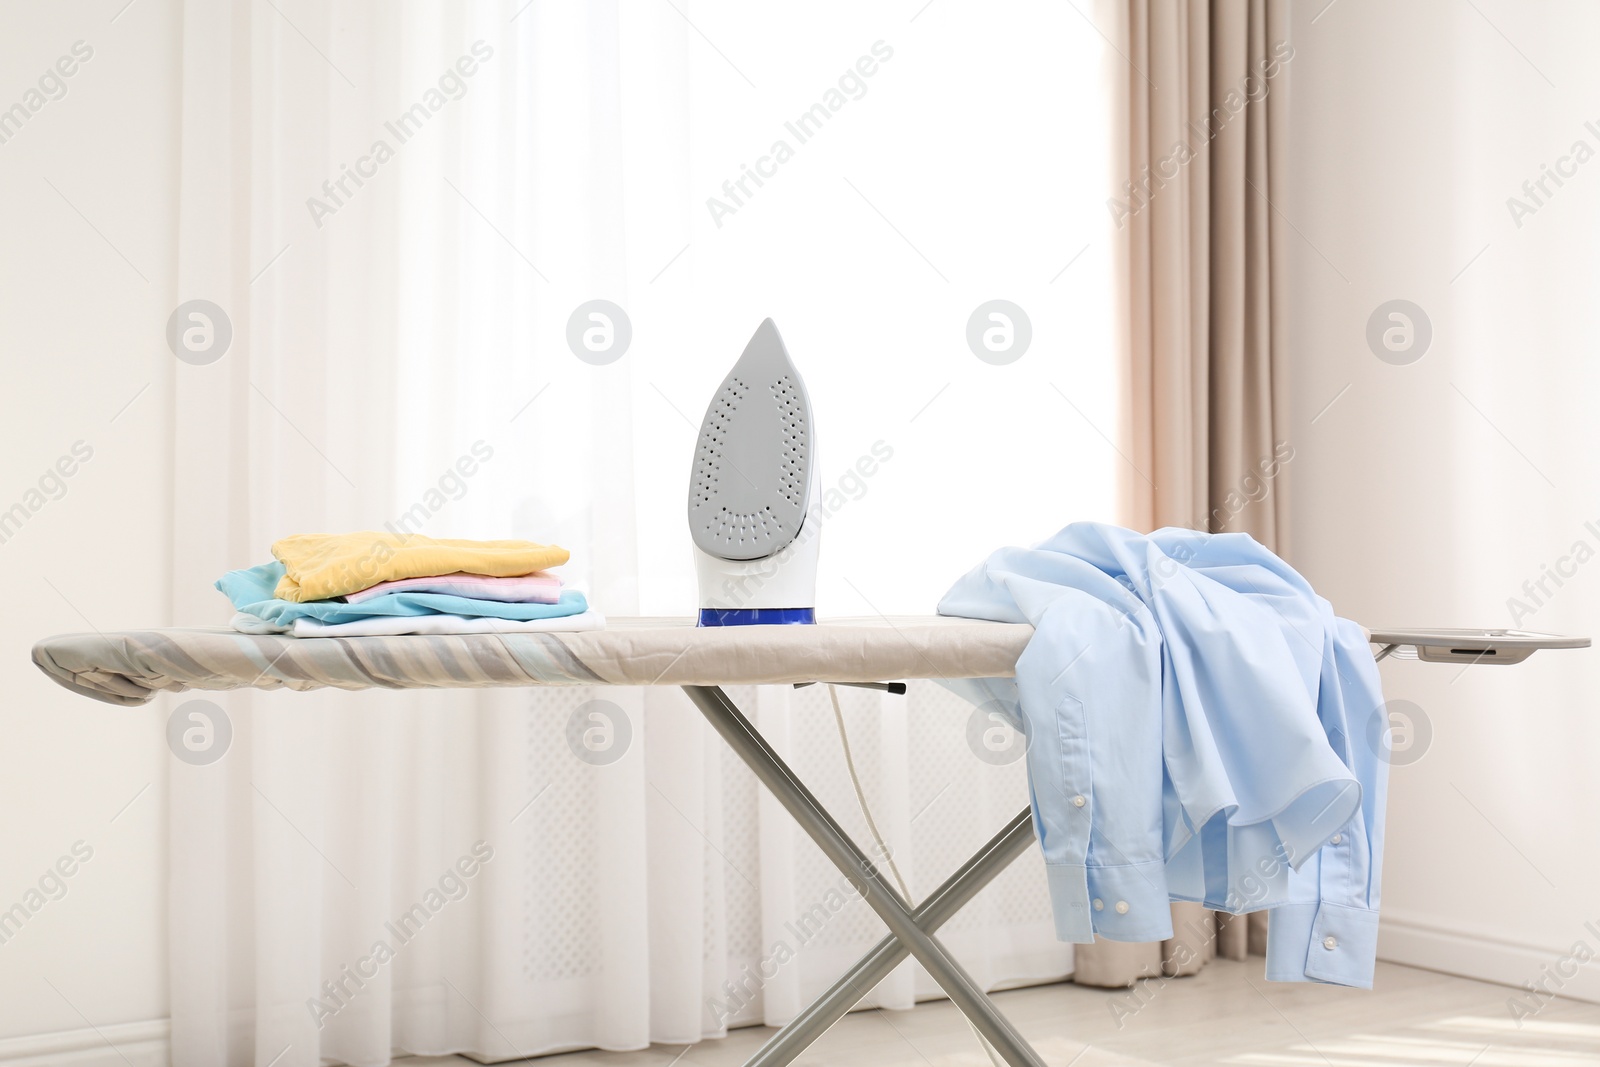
(751, 747)
(942, 905)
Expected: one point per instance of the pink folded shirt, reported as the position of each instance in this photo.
(536, 588)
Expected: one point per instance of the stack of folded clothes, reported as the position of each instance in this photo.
(367, 584)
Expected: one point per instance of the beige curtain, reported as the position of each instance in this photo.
(1202, 91)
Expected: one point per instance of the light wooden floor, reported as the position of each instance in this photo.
(1227, 1015)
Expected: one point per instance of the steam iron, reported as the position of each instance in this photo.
(752, 493)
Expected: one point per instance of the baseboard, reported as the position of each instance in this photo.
(1489, 958)
(146, 1044)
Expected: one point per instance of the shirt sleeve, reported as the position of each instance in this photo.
(1328, 931)
(1095, 769)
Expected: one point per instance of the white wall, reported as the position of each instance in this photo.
(1428, 493)
(81, 336)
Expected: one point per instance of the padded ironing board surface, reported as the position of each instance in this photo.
(128, 667)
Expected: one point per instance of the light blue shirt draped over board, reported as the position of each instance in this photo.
(1200, 727)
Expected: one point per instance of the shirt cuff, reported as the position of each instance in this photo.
(1333, 943)
(1128, 902)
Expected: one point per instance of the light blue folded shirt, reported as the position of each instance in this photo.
(1197, 723)
(252, 592)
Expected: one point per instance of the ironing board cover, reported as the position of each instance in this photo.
(128, 667)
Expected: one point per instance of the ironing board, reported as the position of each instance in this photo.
(128, 668)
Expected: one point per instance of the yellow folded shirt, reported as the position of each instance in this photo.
(319, 566)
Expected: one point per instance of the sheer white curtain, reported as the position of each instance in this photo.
(397, 208)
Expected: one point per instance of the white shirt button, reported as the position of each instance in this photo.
(1122, 907)
(1099, 905)
(1336, 838)
(1330, 943)
(1079, 801)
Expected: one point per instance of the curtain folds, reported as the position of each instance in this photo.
(365, 874)
(1200, 98)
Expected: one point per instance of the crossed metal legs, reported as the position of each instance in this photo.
(788, 1043)
(909, 931)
